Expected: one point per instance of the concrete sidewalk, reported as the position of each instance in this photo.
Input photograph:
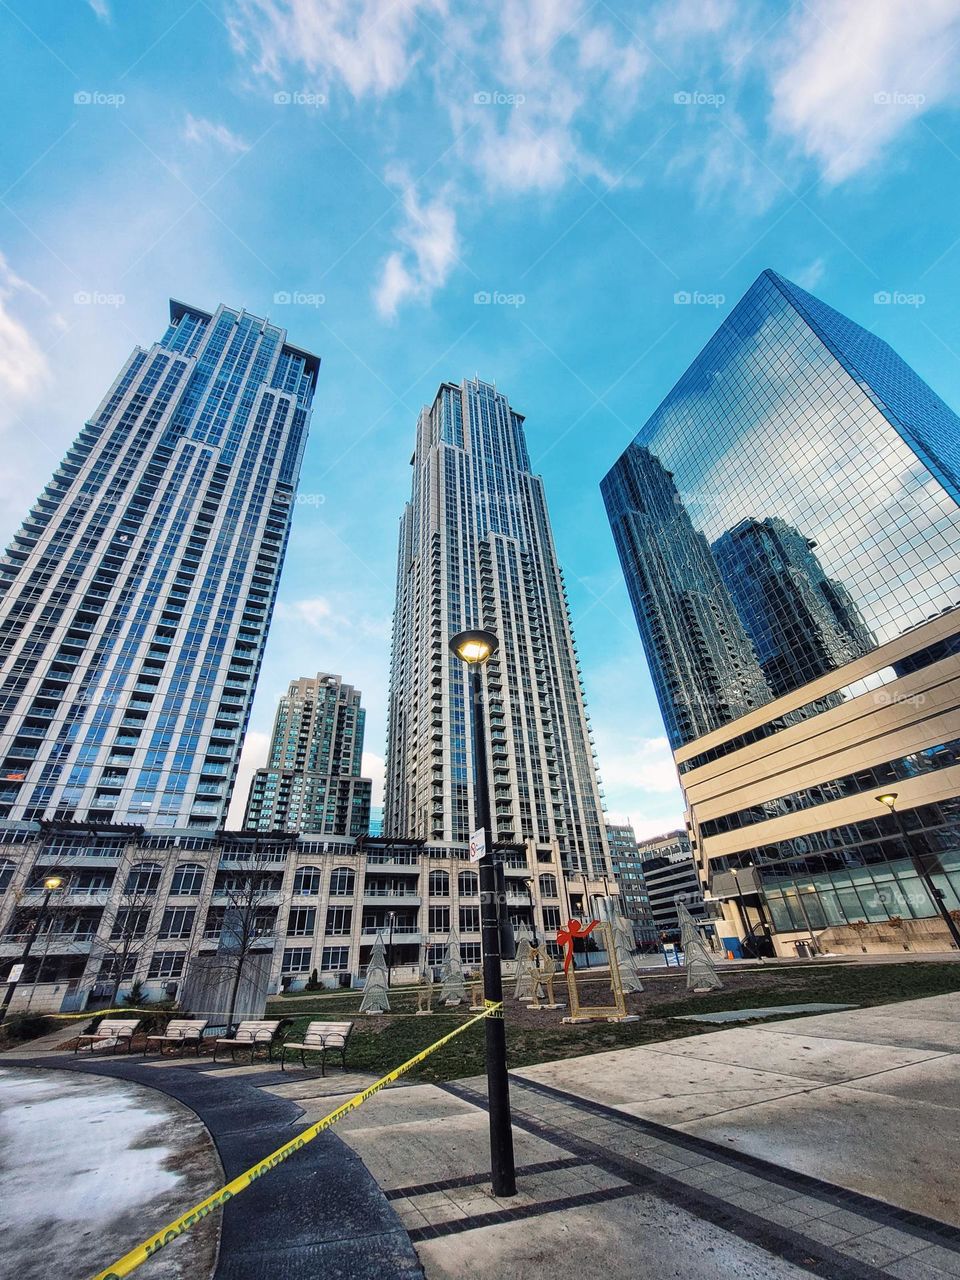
(867, 1099)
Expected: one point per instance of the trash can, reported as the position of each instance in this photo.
(803, 950)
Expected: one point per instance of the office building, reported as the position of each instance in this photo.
(670, 874)
(627, 866)
(136, 597)
(312, 782)
(823, 474)
(476, 550)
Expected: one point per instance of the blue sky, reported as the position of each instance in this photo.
(612, 176)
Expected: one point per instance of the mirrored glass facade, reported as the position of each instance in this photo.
(791, 504)
(136, 596)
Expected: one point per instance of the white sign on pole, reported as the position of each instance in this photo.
(478, 845)
(16, 973)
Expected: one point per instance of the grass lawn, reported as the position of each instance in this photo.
(381, 1042)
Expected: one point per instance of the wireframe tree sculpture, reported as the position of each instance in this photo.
(453, 987)
(624, 945)
(701, 971)
(376, 995)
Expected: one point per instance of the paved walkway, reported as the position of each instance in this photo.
(824, 1146)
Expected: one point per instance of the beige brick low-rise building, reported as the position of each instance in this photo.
(782, 804)
(137, 907)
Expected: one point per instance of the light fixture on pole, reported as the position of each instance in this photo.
(889, 801)
(51, 883)
(475, 648)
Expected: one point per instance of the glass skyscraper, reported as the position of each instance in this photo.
(788, 522)
(476, 550)
(312, 781)
(793, 429)
(136, 596)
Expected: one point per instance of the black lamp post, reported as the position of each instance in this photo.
(474, 648)
(391, 916)
(51, 884)
(533, 914)
(889, 799)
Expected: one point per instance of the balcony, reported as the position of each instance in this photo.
(401, 933)
(58, 944)
(395, 897)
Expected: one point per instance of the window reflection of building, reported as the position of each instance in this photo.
(801, 622)
(704, 670)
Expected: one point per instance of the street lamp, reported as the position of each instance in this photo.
(475, 648)
(740, 903)
(51, 883)
(889, 800)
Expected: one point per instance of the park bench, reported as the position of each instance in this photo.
(319, 1037)
(179, 1031)
(247, 1036)
(110, 1034)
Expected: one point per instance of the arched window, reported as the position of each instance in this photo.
(307, 880)
(187, 879)
(341, 882)
(548, 886)
(439, 884)
(144, 877)
(469, 884)
(7, 869)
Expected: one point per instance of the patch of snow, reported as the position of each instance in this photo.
(74, 1149)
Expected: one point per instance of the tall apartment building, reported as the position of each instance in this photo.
(838, 550)
(627, 866)
(312, 782)
(136, 597)
(476, 550)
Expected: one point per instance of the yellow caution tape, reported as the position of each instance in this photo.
(99, 1013)
(130, 1261)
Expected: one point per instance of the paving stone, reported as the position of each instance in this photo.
(869, 1251)
(855, 1223)
(903, 1241)
(824, 1232)
(912, 1268)
(785, 1217)
(937, 1256)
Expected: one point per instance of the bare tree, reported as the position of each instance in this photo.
(133, 926)
(251, 889)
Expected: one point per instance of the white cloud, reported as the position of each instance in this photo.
(200, 131)
(101, 8)
(252, 757)
(809, 277)
(23, 363)
(428, 235)
(367, 44)
(373, 766)
(849, 77)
